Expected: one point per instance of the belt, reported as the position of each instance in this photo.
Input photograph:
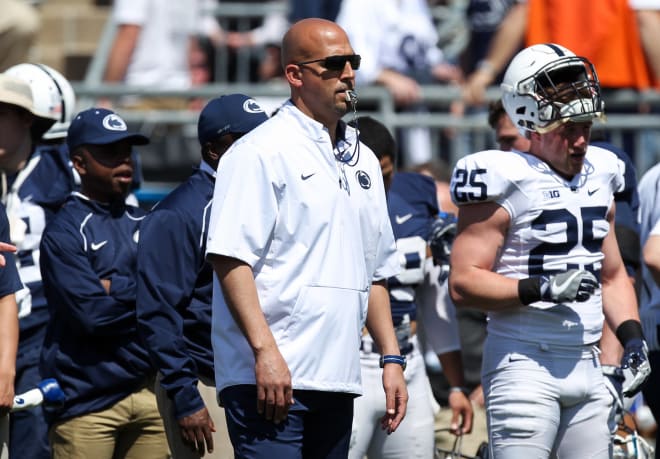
(369, 347)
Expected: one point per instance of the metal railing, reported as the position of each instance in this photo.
(173, 132)
(471, 130)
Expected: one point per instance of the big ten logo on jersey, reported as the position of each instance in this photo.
(550, 194)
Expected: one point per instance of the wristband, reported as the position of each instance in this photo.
(629, 329)
(459, 389)
(398, 359)
(529, 290)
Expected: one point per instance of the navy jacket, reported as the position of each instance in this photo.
(174, 290)
(91, 345)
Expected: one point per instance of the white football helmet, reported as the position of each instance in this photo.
(52, 93)
(546, 84)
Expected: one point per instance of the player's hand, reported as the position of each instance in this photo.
(573, 285)
(462, 413)
(441, 237)
(197, 430)
(396, 397)
(274, 390)
(636, 358)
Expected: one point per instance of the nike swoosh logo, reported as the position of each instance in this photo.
(590, 192)
(555, 287)
(97, 245)
(19, 401)
(400, 220)
(305, 177)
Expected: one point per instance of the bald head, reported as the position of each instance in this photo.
(309, 39)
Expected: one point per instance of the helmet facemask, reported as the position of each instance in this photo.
(565, 90)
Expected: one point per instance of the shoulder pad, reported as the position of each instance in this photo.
(486, 176)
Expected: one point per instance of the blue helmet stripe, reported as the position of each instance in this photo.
(556, 49)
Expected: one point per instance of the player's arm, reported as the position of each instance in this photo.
(274, 390)
(380, 326)
(126, 39)
(8, 348)
(462, 412)
(437, 316)
(482, 229)
(619, 300)
(621, 313)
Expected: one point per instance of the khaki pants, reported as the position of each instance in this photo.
(130, 429)
(222, 447)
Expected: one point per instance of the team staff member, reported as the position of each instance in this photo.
(301, 243)
(174, 288)
(88, 262)
(413, 208)
(536, 248)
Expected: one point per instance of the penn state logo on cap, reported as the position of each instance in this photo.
(113, 122)
(100, 126)
(251, 106)
(229, 114)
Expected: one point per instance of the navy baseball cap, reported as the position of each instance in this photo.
(100, 126)
(229, 114)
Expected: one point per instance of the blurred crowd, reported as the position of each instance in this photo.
(463, 44)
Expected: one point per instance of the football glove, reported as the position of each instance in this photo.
(636, 359)
(573, 285)
(441, 237)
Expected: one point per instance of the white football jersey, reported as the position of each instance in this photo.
(556, 225)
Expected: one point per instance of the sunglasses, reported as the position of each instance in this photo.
(337, 62)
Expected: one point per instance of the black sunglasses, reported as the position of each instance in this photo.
(337, 62)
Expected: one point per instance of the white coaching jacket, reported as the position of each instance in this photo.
(316, 233)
